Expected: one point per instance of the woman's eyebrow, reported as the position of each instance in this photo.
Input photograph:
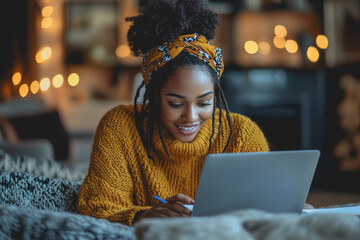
(205, 94)
(182, 97)
(174, 95)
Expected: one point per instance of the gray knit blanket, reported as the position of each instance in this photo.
(22, 223)
(38, 167)
(251, 225)
(38, 199)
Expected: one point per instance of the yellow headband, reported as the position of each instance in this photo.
(195, 44)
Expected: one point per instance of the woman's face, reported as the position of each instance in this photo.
(187, 100)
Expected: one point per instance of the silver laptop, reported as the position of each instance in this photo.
(276, 182)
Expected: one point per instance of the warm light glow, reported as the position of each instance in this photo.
(58, 81)
(123, 51)
(43, 54)
(23, 90)
(73, 79)
(280, 31)
(279, 42)
(34, 87)
(291, 46)
(44, 84)
(16, 78)
(251, 47)
(47, 11)
(46, 22)
(313, 54)
(264, 48)
(322, 41)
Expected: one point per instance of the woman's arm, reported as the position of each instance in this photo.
(108, 189)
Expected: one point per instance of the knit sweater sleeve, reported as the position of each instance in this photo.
(107, 191)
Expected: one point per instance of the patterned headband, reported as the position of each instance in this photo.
(195, 44)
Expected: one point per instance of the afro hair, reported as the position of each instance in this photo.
(163, 21)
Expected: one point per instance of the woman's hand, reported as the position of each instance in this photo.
(308, 206)
(173, 208)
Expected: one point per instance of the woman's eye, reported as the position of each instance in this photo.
(175, 105)
(204, 104)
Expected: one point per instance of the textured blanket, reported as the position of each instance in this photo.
(250, 225)
(33, 224)
(38, 167)
(39, 192)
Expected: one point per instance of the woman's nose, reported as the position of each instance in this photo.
(190, 114)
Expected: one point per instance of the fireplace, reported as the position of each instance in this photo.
(287, 104)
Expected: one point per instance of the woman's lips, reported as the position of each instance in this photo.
(188, 129)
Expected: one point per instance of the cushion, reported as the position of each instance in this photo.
(46, 125)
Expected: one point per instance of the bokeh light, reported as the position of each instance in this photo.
(24, 90)
(280, 31)
(73, 79)
(291, 46)
(43, 54)
(44, 84)
(47, 11)
(58, 81)
(16, 78)
(279, 42)
(312, 54)
(123, 51)
(34, 87)
(46, 22)
(251, 47)
(264, 48)
(322, 41)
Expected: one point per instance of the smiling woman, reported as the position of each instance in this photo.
(187, 100)
(158, 146)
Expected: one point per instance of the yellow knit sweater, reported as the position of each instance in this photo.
(122, 180)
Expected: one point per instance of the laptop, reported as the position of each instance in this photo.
(276, 182)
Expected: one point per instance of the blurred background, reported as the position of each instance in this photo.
(293, 66)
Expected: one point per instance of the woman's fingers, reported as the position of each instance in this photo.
(177, 207)
(180, 198)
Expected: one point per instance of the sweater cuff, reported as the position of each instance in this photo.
(127, 216)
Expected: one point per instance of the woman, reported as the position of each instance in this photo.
(158, 146)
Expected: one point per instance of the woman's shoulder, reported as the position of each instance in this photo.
(120, 113)
(119, 116)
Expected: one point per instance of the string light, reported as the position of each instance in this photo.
(58, 81)
(251, 47)
(73, 79)
(47, 11)
(279, 42)
(280, 31)
(312, 54)
(123, 51)
(16, 78)
(46, 22)
(291, 46)
(34, 87)
(23, 90)
(43, 54)
(322, 41)
(264, 48)
(44, 84)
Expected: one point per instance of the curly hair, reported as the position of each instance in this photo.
(161, 22)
